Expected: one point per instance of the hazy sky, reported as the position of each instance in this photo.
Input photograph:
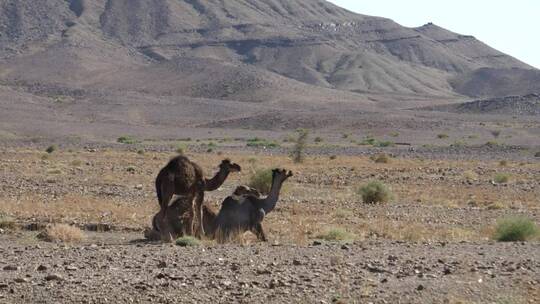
(512, 27)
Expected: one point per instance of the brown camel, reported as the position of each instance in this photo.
(183, 177)
(240, 212)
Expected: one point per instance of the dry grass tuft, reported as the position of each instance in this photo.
(337, 234)
(7, 223)
(381, 158)
(62, 233)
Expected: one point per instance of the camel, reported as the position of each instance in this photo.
(183, 177)
(246, 212)
(243, 211)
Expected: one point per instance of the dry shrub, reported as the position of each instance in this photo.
(381, 158)
(7, 223)
(62, 233)
(337, 234)
(375, 192)
(470, 175)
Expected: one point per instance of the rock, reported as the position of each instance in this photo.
(54, 277)
(317, 243)
(162, 264)
(420, 287)
(11, 268)
(21, 280)
(345, 247)
(447, 271)
(71, 268)
(139, 187)
(41, 268)
(297, 262)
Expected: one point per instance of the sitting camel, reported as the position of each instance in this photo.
(240, 212)
(183, 177)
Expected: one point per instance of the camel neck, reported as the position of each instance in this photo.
(272, 198)
(216, 181)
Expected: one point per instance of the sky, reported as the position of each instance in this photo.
(512, 27)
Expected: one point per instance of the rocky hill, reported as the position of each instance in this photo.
(510, 105)
(276, 55)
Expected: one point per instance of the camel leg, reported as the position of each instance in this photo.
(161, 223)
(259, 231)
(167, 192)
(198, 213)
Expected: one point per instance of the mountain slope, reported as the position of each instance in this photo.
(310, 41)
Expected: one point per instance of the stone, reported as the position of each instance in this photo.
(11, 268)
(41, 268)
(54, 277)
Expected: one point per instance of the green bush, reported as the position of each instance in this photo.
(181, 148)
(515, 229)
(442, 136)
(501, 178)
(50, 149)
(261, 180)
(260, 143)
(383, 144)
(127, 140)
(187, 241)
(297, 153)
(336, 234)
(368, 141)
(375, 192)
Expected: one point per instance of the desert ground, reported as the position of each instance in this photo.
(432, 243)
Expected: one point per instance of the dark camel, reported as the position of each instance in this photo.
(183, 177)
(243, 211)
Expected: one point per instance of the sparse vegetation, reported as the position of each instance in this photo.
(442, 136)
(336, 234)
(333, 157)
(495, 133)
(131, 169)
(501, 178)
(76, 163)
(318, 139)
(261, 143)
(261, 180)
(187, 241)
(394, 134)
(515, 229)
(470, 175)
(381, 158)
(7, 223)
(384, 144)
(127, 140)
(62, 233)
(50, 149)
(375, 192)
(297, 153)
(503, 163)
(140, 151)
(181, 148)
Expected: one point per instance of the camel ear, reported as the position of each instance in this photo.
(226, 161)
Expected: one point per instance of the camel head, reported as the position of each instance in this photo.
(228, 166)
(281, 175)
(246, 190)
